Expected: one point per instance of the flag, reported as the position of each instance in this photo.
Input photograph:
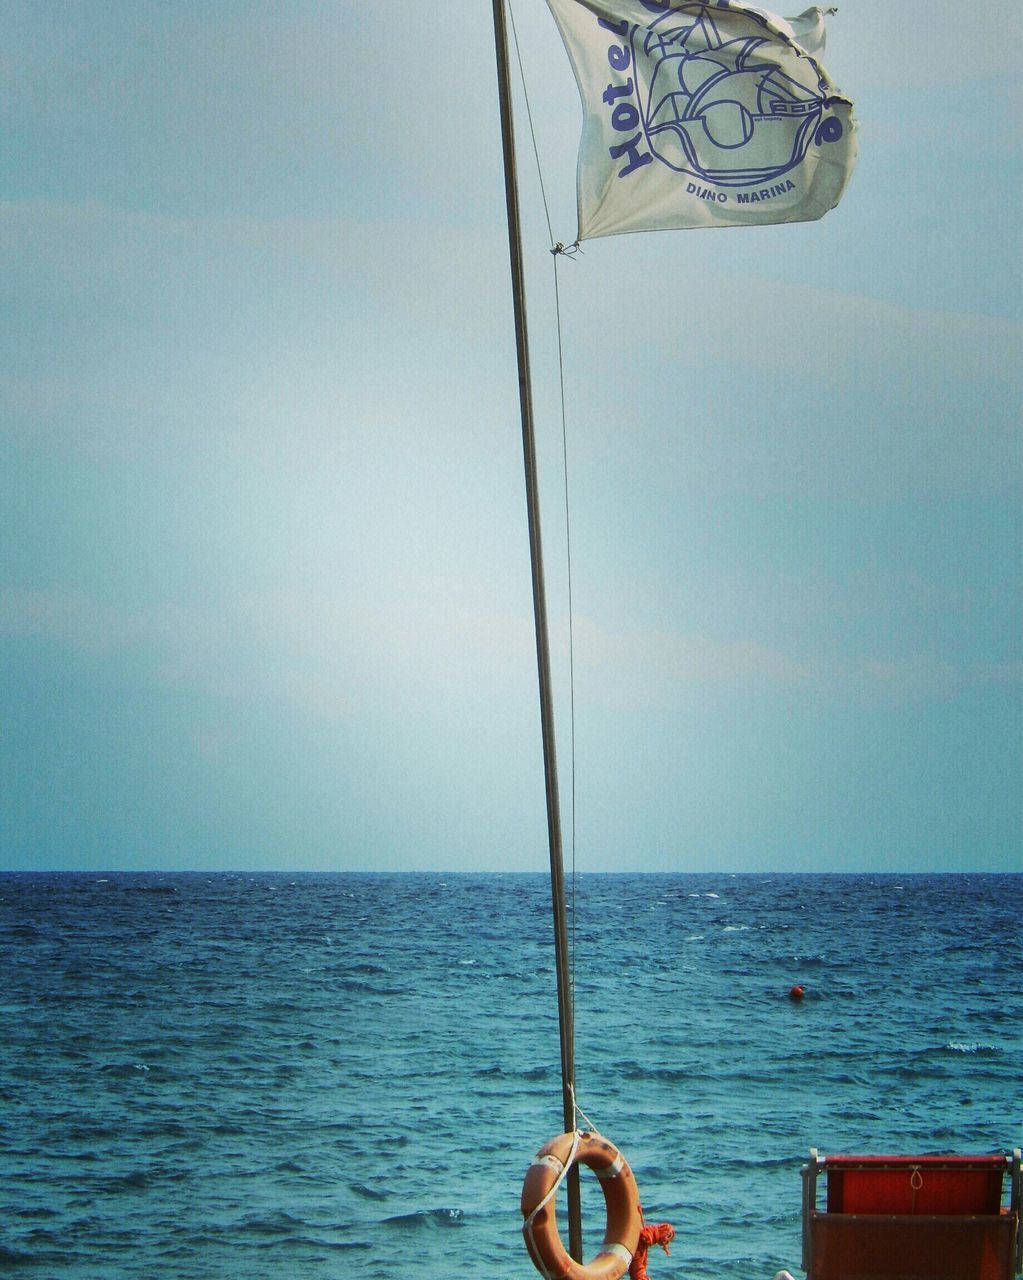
(703, 113)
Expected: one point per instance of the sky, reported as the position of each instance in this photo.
(264, 578)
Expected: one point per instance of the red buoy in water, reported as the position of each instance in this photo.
(797, 993)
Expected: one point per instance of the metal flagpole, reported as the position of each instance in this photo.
(543, 659)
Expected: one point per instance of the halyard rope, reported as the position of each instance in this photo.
(578, 1111)
(559, 250)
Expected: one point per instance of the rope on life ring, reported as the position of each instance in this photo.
(662, 1234)
(621, 1197)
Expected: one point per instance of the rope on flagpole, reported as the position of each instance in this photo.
(559, 250)
(529, 118)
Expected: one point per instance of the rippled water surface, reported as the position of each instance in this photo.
(346, 1076)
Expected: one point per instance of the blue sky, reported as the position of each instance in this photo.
(264, 585)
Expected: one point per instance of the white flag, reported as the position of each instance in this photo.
(703, 113)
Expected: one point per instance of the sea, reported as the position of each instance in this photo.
(345, 1076)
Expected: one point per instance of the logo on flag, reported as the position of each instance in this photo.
(703, 113)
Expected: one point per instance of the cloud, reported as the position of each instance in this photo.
(923, 44)
(183, 336)
(816, 333)
(235, 652)
(663, 669)
(255, 106)
(321, 657)
(768, 387)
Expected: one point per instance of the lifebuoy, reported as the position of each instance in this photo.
(621, 1196)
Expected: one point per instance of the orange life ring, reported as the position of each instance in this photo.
(621, 1196)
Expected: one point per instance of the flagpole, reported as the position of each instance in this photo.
(543, 660)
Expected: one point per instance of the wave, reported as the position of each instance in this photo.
(536, 1073)
(314, 1242)
(125, 1070)
(427, 1218)
(354, 987)
(26, 932)
(368, 1193)
(137, 1180)
(669, 1075)
(11, 1258)
(272, 1224)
